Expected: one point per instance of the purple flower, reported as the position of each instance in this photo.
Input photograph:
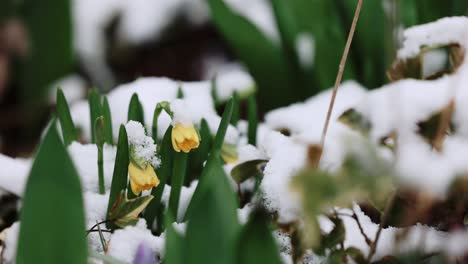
(144, 255)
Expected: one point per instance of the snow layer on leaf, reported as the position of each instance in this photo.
(232, 78)
(143, 145)
(441, 32)
(286, 159)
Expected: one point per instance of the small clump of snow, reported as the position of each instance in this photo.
(143, 146)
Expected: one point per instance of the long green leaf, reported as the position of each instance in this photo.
(216, 210)
(66, 122)
(95, 111)
(174, 243)
(135, 110)
(99, 133)
(256, 243)
(166, 153)
(213, 163)
(252, 119)
(50, 56)
(52, 204)
(263, 58)
(119, 177)
(106, 113)
(179, 171)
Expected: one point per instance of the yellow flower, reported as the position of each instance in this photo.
(184, 138)
(142, 179)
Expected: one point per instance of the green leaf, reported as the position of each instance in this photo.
(236, 109)
(215, 210)
(336, 236)
(211, 169)
(174, 243)
(248, 169)
(95, 111)
(180, 92)
(50, 53)
(106, 113)
(223, 126)
(166, 153)
(120, 174)
(157, 111)
(179, 170)
(124, 212)
(135, 110)
(356, 255)
(69, 132)
(252, 119)
(199, 155)
(256, 243)
(263, 58)
(52, 203)
(99, 133)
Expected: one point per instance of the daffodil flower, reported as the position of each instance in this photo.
(184, 137)
(142, 179)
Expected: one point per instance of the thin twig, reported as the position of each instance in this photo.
(339, 76)
(94, 226)
(383, 221)
(366, 238)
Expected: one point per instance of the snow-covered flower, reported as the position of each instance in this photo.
(184, 137)
(142, 179)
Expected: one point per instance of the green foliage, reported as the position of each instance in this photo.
(106, 113)
(200, 155)
(95, 111)
(50, 57)
(277, 67)
(52, 204)
(263, 58)
(174, 243)
(69, 131)
(213, 225)
(248, 169)
(124, 212)
(252, 119)
(155, 207)
(135, 110)
(256, 243)
(99, 133)
(179, 171)
(120, 174)
(212, 169)
(236, 110)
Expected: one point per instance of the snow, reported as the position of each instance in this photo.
(73, 87)
(197, 104)
(278, 173)
(186, 194)
(233, 78)
(305, 49)
(14, 173)
(143, 146)
(124, 242)
(441, 32)
(9, 254)
(84, 158)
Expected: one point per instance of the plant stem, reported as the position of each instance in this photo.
(179, 170)
(101, 170)
(339, 76)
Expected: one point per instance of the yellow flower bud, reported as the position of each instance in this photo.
(142, 179)
(184, 138)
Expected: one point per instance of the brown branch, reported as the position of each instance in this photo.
(339, 76)
(444, 125)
